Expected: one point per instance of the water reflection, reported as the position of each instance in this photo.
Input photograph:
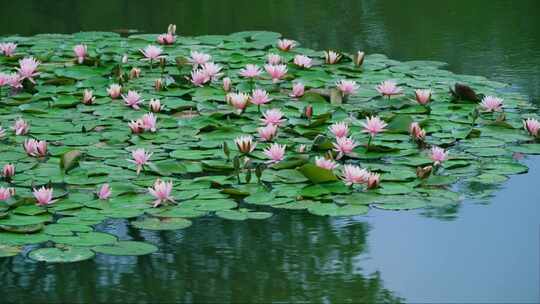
(291, 257)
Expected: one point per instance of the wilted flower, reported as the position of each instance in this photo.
(199, 58)
(344, 146)
(88, 97)
(275, 153)
(43, 196)
(161, 191)
(245, 144)
(423, 97)
(28, 68)
(438, 155)
(352, 174)
(132, 99)
(298, 90)
(250, 71)
(302, 61)
(373, 125)
(114, 90)
(80, 51)
(339, 129)
(423, 172)
(35, 148)
(268, 132)
(492, 104)
(532, 126)
(274, 59)
(331, 57)
(151, 52)
(259, 97)
(347, 87)
(276, 72)
(149, 122)
(140, 158)
(388, 88)
(21, 127)
(286, 44)
(8, 48)
(272, 117)
(325, 163)
(104, 192)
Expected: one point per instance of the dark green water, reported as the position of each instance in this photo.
(481, 253)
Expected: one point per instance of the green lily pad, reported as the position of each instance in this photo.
(126, 248)
(61, 255)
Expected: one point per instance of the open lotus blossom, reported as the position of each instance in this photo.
(388, 88)
(35, 148)
(352, 174)
(136, 126)
(212, 70)
(88, 97)
(2, 132)
(286, 44)
(331, 57)
(250, 71)
(423, 97)
(21, 127)
(151, 52)
(532, 126)
(273, 117)
(168, 38)
(298, 90)
(149, 122)
(199, 77)
(114, 90)
(227, 84)
(8, 48)
(438, 155)
(104, 192)
(6, 193)
(417, 133)
(140, 158)
(132, 99)
(28, 68)
(359, 58)
(80, 51)
(238, 100)
(373, 180)
(155, 105)
(276, 72)
(268, 132)
(339, 129)
(245, 144)
(161, 191)
(259, 97)
(275, 153)
(344, 146)
(199, 58)
(325, 163)
(347, 87)
(373, 125)
(43, 196)
(302, 61)
(273, 59)
(492, 104)
(8, 171)
(15, 80)
(134, 73)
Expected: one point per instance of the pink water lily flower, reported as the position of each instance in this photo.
(132, 99)
(492, 104)
(344, 146)
(212, 70)
(199, 58)
(161, 191)
(275, 153)
(438, 155)
(352, 174)
(245, 144)
(268, 132)
(136, 126)
(417, 133)
(359, 58)
(88, 97)
(259, 97)
(4, 79)
(6, 193)
(8, 171)
(272, 117)
(155, 105)
(238, 100)
(199, 77)
(35, 148)
(276, 72)
(274, 59)
(339, 129)
(168, 38)
(80, 51)
(532, 126)
(347, 87)
(302, 61)
(423, 97)
(286, 44)
(140, 158)
(373, 125)
(43, 196)
(114, 90)
(104, 192)
(28, 68)
(331, 57)
(325, 163)
(250, 71)
(227, 84)
(151, 52)
(149, 122)
(21, 127)
(8, 48)
(298, 90)
(15, 80)
(373, 180)
(388, 88)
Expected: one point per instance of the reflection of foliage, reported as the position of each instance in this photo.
(286, 258)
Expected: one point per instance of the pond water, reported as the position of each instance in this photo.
(482, 252)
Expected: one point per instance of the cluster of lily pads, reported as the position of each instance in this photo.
(161, 130)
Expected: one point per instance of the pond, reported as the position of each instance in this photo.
(480, 251)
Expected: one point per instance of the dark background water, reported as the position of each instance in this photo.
(484, 253)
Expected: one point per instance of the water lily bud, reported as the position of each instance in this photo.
(158, 84)
(301, 148)
(248, 176)
(227, 84)
(308, 112)
(134, 73)
(259, 171)
(162, 62)
(125, 59)
(226, 150)
(171, 29)
(359, 58)
(155, 105)
(236, 163)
